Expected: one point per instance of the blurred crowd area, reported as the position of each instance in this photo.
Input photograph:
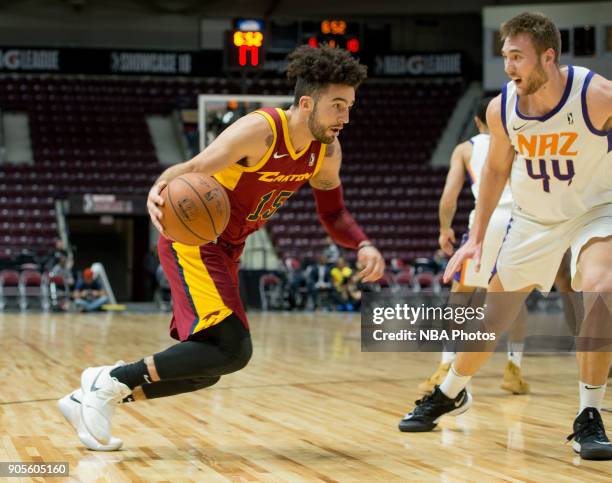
(30, 280)
(331, 283)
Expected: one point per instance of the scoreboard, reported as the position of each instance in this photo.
(336, 33)
(244, 45)
(248, 46)
(249, 40)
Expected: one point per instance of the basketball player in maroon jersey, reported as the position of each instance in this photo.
(261, 160)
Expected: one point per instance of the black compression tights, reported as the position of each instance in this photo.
(201, 360)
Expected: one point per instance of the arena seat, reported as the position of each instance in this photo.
(33, 284)
(9, 287)
(405, 278)
(270, 291)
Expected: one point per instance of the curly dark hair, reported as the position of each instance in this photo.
(314, 68)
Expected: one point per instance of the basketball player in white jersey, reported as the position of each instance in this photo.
(469, 157)
(551, 132)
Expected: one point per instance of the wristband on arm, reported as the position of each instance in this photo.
(365, 244)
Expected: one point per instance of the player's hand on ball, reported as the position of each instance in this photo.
(154, 201)
(446, 240)
(471, 249)
(372, 262)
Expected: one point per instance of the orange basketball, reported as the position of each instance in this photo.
(196, 209)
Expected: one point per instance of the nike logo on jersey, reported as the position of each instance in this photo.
(520, 127)
(278, 156)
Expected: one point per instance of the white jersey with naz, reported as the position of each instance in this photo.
(563, 166)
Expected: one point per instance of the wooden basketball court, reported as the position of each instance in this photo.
(310, 406)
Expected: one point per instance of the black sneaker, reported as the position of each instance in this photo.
(425, 415)
(589, 436)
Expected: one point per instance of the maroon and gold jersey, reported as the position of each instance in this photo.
(256, 192)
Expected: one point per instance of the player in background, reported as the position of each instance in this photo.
(469, 157)
(551, 134)
(261, 160)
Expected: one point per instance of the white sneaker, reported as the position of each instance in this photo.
(70, 406)
(101, 394)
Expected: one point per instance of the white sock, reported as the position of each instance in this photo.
(448, 357)
(591, 396)
(515, 352)
(454, 383)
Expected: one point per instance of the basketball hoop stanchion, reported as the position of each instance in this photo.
(211, 105)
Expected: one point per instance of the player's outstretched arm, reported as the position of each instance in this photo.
(495, 174)
(248, 138)
(452, 188)
(336, 219)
